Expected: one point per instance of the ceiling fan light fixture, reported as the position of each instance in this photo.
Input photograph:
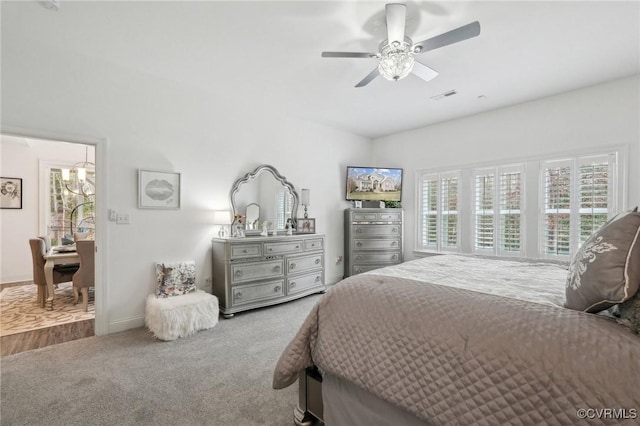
(396, 59)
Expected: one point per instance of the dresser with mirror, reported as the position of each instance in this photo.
(258, 270)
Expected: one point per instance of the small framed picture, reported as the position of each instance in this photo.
(10, 193)
(306, 225)
(158, 190)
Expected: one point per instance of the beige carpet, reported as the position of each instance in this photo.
(19, 311)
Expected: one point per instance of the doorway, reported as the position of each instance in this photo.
(57, 207)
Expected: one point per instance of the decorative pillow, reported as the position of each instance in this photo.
(629, 313)
(606, 269)
(175, 279)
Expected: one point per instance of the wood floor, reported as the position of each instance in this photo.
(35, 339)
(39, 338)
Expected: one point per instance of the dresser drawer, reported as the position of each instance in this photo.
(376, 244)
(242, 272)
(315, 244)
(271, 249)
(239, 251)
(304, 282)
(391, 257)
(255, 293)
(364, 216)
(390, 217)
(377, 230)
(359, 269)
(304, 263)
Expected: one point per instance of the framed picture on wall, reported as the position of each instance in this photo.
(306, 225)
(10, 193)
(158, 190)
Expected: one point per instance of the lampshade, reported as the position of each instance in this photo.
(222, 217)
(304, 199)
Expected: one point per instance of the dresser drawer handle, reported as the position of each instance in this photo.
(277, 289)
(292, 285)
(393, 243)
(313, 244)
(245, 251)
(359, 257)
(317, 261)
(359, 244)
(238, 272)
(238, 295)
(276, 268)
(359, 230)
(292, 266)
(394, 257)
(270, 248)
(298, 246)
(317, 278)
(394, 230)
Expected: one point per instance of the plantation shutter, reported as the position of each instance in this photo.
(429, 224)
(510, 205)
(449, 223)
(594, 182)
(484, 208)
(557, 208)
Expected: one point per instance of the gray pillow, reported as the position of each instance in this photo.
(629, 313)
(606, 269)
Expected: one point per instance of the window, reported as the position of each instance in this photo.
(70, 204)
(498, 210)
(483, 210)
(439, 225)
(578, 199)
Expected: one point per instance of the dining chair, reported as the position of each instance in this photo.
(84, 278)
(61, 273)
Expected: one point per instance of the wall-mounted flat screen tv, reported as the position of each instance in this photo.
(374, 184)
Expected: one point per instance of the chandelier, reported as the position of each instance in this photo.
(79, 178)
(397, 59)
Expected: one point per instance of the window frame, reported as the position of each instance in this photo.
(439, 177)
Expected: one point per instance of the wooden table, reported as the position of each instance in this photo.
(55, 258)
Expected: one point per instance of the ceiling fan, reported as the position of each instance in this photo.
(396, 53)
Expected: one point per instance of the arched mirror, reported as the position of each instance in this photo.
(264, 196)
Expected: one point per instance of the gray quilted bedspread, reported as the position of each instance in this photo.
(458, 357)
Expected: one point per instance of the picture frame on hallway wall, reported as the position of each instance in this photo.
(10, 193)
(306, 225)
(158, 189)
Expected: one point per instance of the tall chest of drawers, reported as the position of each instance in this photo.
(254, 272)
(373, 239)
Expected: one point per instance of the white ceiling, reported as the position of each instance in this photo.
(268, 53)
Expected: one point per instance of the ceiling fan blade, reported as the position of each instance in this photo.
(464, 32)
(348, 55)
(423, 71)
(396, 19)
(373, 74)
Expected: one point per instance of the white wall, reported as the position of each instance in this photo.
(21, 158)
(600, 116)
(150, 123)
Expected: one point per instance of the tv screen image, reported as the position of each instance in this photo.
(374, 184)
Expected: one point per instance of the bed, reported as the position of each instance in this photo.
(454, 339)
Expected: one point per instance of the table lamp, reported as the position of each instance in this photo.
(222, 218)
(304, 200)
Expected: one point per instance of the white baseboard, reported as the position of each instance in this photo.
(125, 324)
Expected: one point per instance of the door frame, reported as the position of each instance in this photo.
(101, 257)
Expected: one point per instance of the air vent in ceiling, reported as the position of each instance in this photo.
(444, 95)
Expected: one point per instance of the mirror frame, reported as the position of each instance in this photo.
(280, 178)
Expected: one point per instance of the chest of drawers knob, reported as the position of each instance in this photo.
(292, 266)
(238, 272)
(277, 289)
(238, 295)
(292, 285)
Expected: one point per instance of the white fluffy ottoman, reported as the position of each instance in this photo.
(180, 316)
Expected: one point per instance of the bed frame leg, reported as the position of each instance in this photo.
(309, 409)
